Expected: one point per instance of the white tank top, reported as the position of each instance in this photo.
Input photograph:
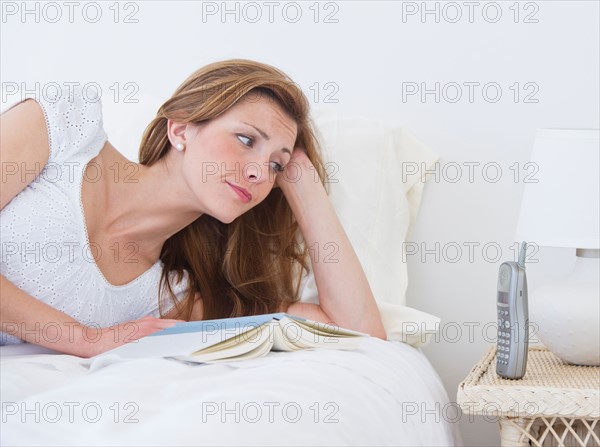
(44, 244)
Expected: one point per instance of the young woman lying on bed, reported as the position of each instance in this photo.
(206, 226)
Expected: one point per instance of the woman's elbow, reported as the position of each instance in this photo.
(378, 332)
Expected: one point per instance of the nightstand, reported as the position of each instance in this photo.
(554, 404)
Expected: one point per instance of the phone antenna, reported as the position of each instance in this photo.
(522, 254)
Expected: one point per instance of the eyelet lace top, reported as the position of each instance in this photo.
(45, 247)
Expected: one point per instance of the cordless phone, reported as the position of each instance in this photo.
(513, 318)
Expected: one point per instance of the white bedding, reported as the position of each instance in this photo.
(384, 393)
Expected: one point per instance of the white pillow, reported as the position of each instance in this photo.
(377, 209)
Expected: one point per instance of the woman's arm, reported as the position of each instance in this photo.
(24, 147)
(36, 322)
(345, 297)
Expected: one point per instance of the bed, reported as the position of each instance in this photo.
(383, 393)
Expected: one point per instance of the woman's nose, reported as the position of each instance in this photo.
(252, 172)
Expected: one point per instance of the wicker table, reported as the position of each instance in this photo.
(554, 404)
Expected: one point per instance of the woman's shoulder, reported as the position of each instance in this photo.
(74, 122)
(74, 116)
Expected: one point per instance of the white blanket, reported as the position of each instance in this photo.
(384, 393)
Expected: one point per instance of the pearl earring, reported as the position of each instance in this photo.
(179, 146)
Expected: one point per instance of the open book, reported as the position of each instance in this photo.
(233, 339)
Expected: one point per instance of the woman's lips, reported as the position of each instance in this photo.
(244, 195)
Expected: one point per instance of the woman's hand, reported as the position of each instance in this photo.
(302, 187)
(300, 157)
(298, 167)
(98, 340)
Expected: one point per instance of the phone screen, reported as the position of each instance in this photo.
(503, 297)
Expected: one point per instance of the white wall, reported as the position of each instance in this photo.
(374, 52)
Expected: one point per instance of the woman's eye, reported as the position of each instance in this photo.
(276, 167)
(247, 138)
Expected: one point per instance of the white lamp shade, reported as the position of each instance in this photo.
(562, 208)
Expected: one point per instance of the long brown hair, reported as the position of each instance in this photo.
(252, 265)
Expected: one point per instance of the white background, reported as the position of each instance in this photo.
(369, 57)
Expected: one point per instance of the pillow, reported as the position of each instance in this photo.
(377, 208)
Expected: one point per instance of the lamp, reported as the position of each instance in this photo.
(561, 209)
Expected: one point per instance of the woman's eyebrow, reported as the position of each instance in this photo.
(266, 137)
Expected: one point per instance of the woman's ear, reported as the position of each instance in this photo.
(176, 132)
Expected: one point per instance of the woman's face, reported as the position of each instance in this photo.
(231, 162)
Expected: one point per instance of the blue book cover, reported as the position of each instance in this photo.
(224, 324)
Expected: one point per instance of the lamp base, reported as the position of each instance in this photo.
(566, 314)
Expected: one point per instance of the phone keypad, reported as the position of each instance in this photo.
(503, 350)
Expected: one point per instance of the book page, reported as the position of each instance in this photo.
(280, 342)
(295, 334)
(325, 329)
(252, 344)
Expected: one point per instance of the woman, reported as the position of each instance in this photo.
(205, 226)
